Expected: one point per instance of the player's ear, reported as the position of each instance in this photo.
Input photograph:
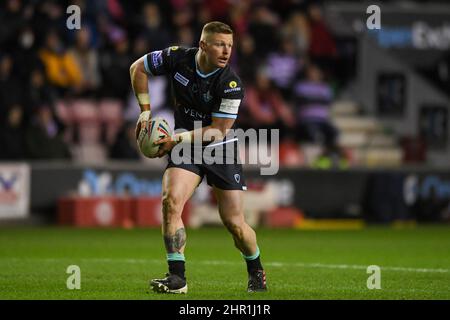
(202, 44)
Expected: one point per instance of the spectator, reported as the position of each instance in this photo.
(322, 48)
(61, 67)
(115, 66)
(239, 16)
(10, 84)
(283, 66)
(157, 34)
(298, 30)
(185, 37)
(313, 97)
(125, 147)
(25, 54)
(140, 47)
(40, 94)
(12, 136)
(245, 53)
(262, 27)
(42, 138)
(332, 157)
(12, 21)
(218, 9)
(87, 58)
(264, 106)
(49, 15)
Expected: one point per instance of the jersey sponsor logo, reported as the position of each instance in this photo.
(237, 177)
(181, 79)
(230, 105)
(232, 90)
(157, 60)
(232, 84)
(194, 113)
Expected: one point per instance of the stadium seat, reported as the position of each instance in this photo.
(383, 157)
(344, 108)
(311, 152)
(353, 139)
(84, 111)
(111, 118)
(89, 153)
(283, 217)
(64, 112)
(290, 154)
(85, 121)
(365, 124)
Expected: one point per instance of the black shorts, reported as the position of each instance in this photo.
(227, 176)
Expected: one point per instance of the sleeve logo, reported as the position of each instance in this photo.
(232, 84)
(173, 48)
(230, 106)
(157, 60)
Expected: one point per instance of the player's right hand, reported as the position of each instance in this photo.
(143, 122)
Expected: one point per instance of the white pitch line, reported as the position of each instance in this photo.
(336, 266)
(219, 262)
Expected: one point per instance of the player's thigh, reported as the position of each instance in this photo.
(231, 205)
(178, 185)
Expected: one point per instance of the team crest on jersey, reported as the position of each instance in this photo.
(232, 84)
(173, 48)
(207, 96)
(237, 177)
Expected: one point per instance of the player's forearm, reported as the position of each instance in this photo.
(205, 134)
(139, 83)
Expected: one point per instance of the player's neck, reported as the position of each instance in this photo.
(202, 64)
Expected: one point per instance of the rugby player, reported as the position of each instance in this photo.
(204, 88)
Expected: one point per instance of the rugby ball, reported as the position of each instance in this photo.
(156, 129)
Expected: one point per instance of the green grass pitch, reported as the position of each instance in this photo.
(118, 263)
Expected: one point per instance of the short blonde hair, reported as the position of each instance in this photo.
(216, 27)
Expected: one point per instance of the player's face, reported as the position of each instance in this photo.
(218, 49)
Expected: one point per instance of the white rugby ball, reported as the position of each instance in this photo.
(156, 129)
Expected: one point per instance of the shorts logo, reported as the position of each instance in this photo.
(156, 59)
(233, 84)
(181, 79)
(237, 177)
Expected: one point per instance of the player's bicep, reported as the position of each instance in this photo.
(138, 66)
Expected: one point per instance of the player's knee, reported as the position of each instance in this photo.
(172, 205)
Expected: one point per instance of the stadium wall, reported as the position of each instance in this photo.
(375, 195)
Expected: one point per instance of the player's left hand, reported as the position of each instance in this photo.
(167, 144)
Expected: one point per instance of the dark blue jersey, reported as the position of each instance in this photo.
(196, 96)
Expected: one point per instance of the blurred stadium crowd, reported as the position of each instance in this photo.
(60, 88)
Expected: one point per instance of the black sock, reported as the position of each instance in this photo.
(177, 267)
(254, 265)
